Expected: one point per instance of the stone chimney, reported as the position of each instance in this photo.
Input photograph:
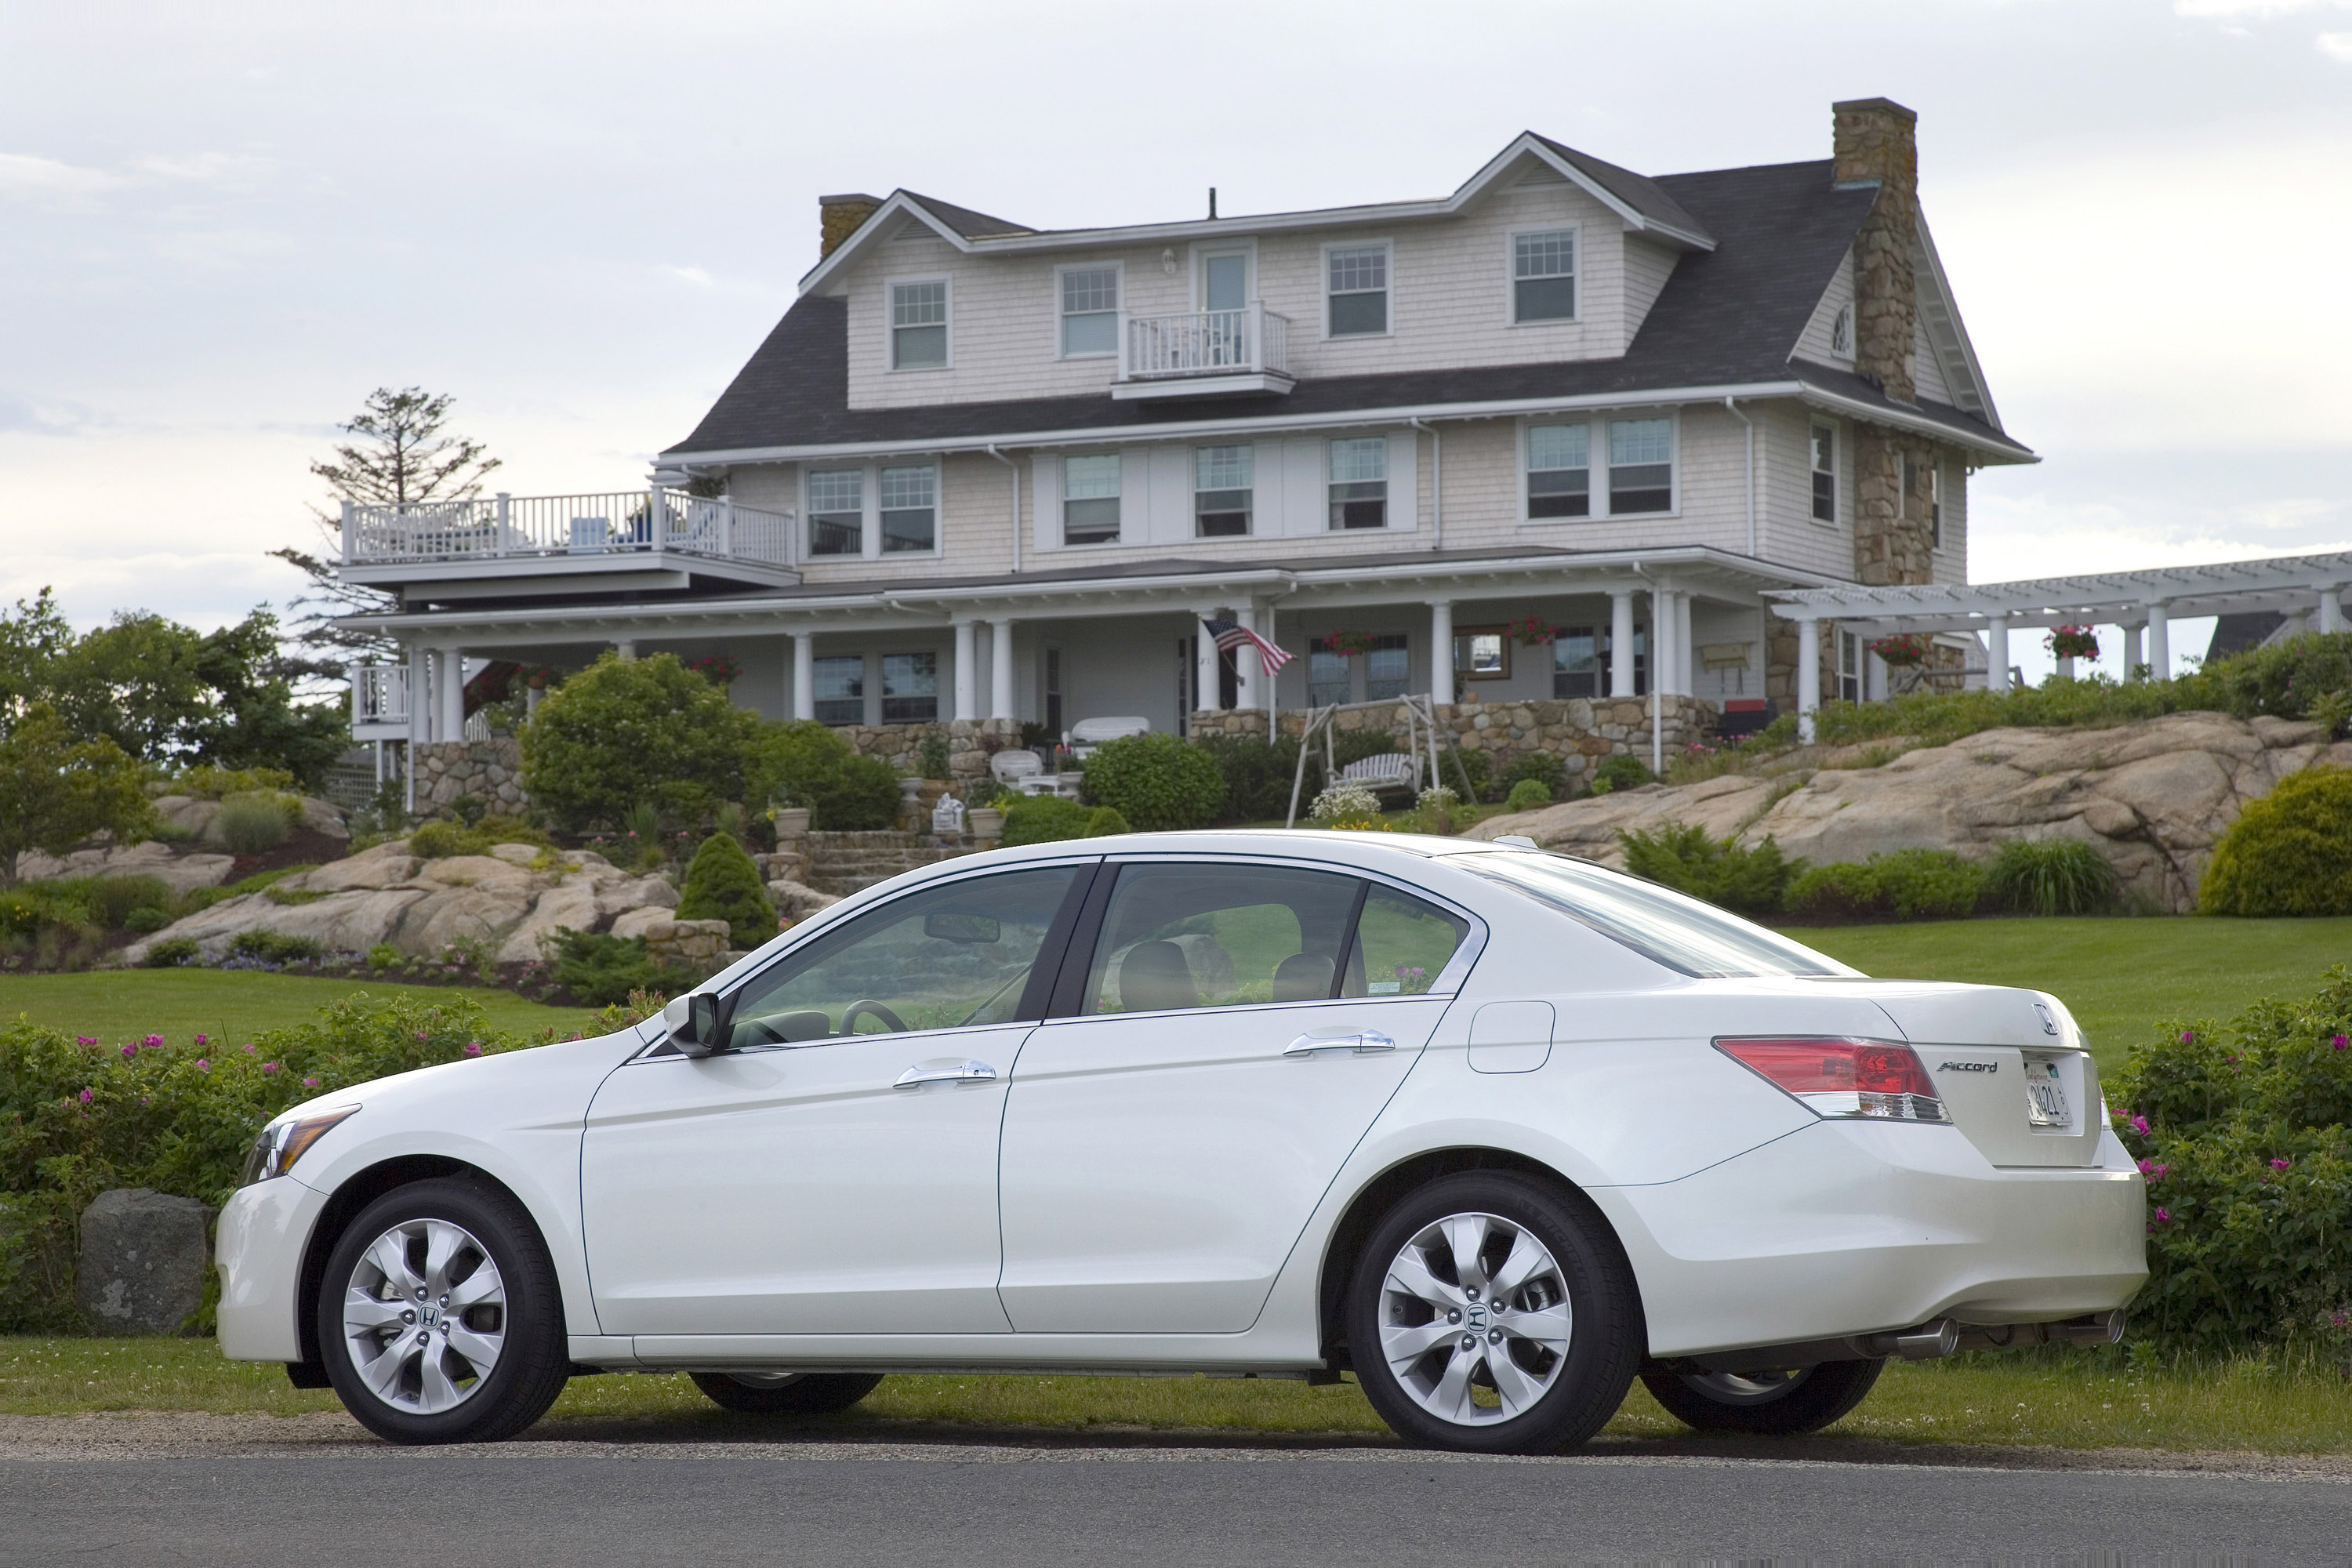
(838, 217)
(1876, 139)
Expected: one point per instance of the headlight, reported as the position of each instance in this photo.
(283, 1142)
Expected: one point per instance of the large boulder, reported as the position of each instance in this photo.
(2153, 796)
(181, 873)
(142, 1263)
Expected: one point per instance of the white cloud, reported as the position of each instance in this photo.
(698, 277)
(2233, 9)
(224, 249)
(2336, 46)
(47, 180)
(206, 168)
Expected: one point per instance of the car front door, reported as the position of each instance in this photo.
(1225, 1040)
(834, 1171)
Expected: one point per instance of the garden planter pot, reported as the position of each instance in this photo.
(792, 821)
(986, 822)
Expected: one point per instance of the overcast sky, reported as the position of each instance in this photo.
(221, 226)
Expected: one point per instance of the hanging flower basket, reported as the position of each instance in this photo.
(1349, 643)
(1530, 632)
(2073, 642)
(717, 667)
(1904, 650)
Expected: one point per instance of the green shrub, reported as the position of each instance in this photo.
(209, 782)
(1527, 795)
(1257, 774)
(1621, 772)
(145, 919)
(112, 899)
(382, 956)
(256, 824)
(1907, 885)
(1752, 880)
(1156, 781)
(602, 970)
(722, 884)
(803, 763)
(497, 828)
(2289, 852)
(2051, 876)
(1543, 767)
(932, 756)
(272, 947)
(172, 953)
(30, 908)
(1046, 819)
(441, 839)
(624, 731)
(1103, 821)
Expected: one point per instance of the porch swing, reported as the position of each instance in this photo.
(1386, 771)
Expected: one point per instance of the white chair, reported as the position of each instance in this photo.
(1390, 770)
(1085, 735)
(590, 535)
(1021, 771)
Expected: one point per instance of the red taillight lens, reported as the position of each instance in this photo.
(1838, 1077)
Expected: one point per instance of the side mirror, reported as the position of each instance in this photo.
(708, 1022)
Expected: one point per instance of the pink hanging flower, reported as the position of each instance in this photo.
(473, 1047)
(87, 1097)
(203, 1066)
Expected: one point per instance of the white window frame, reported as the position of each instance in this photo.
(1323, 290)
(1117, 269)
(1837, 477)
(890, 287)
(1595, 493)
(1575, 231)
(1196, 264)
(1606, 466)
(939, 489)
(1386, 481)
(1249, 458)
(869, 526)
(1062, 533)
(1842, 331)
(866, 521)
(1935, 503)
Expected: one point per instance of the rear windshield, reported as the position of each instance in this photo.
(1685, 934)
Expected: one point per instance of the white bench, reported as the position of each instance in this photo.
(1088, 733)
(1389, 770)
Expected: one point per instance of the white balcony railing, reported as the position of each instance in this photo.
(379, 694)
(647, 521)
(1252, 340)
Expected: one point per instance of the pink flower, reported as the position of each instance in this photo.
(87, 1097)
(89, 1040)
(473, 1047)
(129, 1050)
(2280, 1165)
(152, 1041)
(2160, 1171)
(2162, 1217)
(420, 1034)
(269, 1067)
(309, 1083)
(2146, 1166)
(2341, 1042)
(204, 1039)
(2139, 1125)
(248, 1048)
(2188, 1037)
(203, 1066)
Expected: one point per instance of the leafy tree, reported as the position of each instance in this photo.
(55, 791)
(722, 884)
(625, 732)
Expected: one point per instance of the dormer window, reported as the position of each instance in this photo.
(919, 324)
(1357, 280)
(1089, 311)
(1543, 276)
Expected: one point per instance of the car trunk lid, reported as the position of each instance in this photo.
(2009, 1064)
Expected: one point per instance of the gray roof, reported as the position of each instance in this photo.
(965, 221)
(1642, 194)
(1727, 317)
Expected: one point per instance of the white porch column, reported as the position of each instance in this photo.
(1441, 649)
(1248, 678)
(1997, 653)
(1809, 674)
(419, 722)
(1662, 641)
(967, 671)
(2131, 630)
(2160, 641)
(451, 724)
(2331, 607)
(1000, 671)
(625, 647)
(1684, 653)
(803, 675)
(1204, 664)
(1621, 643)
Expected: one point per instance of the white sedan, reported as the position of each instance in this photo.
(1497, 1131)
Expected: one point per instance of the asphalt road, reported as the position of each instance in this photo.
(908, 1506)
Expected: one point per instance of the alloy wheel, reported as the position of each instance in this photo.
(425, 1315)
(1475, 1319)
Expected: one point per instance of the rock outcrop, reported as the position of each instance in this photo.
(2153, 796)
(201, 817)
(181, 873)
(509, 900)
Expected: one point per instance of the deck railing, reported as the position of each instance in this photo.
(379, 694)
(1250, 341)
(502, 527)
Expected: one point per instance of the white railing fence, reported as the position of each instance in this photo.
(503, 526)
(1204, 342)
(380, 694)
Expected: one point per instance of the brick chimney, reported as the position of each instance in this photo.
(1876, 139)
(838, 217)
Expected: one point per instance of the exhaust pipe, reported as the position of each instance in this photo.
(1928, 1342)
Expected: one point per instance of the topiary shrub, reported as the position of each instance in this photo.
(1543, 767)
(1621, 772)
(2289, 852)
(1752, 880)
(722, 884)
(1907, 885)
(628, 730)
(258, 822)
(2051, 876)
(1527, 795)
(805, 764)
(1156, 781)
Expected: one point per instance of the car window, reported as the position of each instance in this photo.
(1402, 945)
(1206, 935)
(947, 956)
(1667, 927)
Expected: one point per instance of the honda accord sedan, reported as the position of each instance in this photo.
(1494, 1130)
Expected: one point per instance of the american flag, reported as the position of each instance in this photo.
(1230, 635)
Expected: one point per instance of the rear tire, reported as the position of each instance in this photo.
(1494, 1314)
(785, 1394)
(1770, 1405)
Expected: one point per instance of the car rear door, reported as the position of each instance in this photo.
(1219, 1046)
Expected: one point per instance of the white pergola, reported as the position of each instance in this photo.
(2136, 602)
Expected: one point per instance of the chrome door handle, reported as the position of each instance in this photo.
(951, 1072)
(1361, 1043)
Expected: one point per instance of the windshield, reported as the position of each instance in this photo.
(1685, 934)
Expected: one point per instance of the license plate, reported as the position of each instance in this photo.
(2045, 1096)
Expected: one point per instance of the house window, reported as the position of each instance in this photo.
(1359, 482)
(1221, 486)
(1824, 474)
(918, 325)
(1935, 503)
(1358, 276)
(1560, 470)
(1053, 690)
(841, 689)
(1641, 466)
(837, 511)
(1483, 653)
(1090, 501)
(1543, 276)
(1326, 674)
(910, 509)
(1089, 311)
(1388, 667)
(1848, 667)
(1842, 331)
(1579, 661)
(910, 688)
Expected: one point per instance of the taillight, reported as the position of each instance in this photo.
(1875, 1080)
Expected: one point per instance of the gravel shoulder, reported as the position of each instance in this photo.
(138, 1435)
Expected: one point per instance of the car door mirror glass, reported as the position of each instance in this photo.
(709, 1021)
(962, 927)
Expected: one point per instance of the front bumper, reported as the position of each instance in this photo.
(263, 1231)
(1850, 1227)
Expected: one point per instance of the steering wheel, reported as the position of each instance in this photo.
(868, 1004)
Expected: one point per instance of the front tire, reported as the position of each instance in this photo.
(785, 1392)
(1770, 1405)
(1494, 1314)
(440, 1320)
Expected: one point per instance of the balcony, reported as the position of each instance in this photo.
(504, 545)
(380, 702)
(1203, 353)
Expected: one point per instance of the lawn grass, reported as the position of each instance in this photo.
(2121, 976)
(2066, 1399)
(231, 1004)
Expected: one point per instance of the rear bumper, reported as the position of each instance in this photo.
(1852, 1229)
(263, 1231)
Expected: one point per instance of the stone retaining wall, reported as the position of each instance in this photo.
(970, 743)
(491, 771)
(1579, 731)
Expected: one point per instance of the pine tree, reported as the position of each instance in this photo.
(722, 884)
